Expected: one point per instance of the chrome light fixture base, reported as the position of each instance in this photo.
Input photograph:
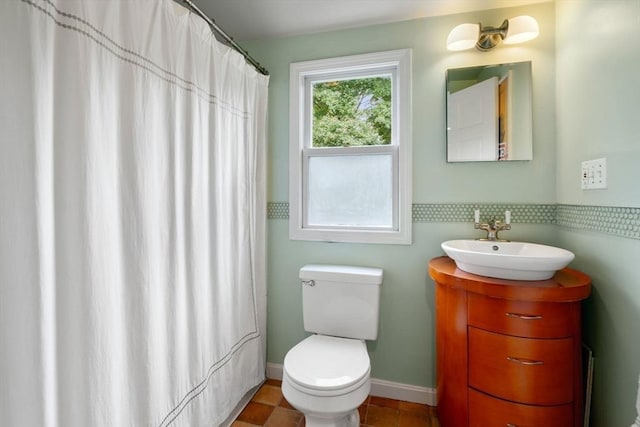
(490, 37)
(515, 30)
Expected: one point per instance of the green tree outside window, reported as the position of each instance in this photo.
(353, 112)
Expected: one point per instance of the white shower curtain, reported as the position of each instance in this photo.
(132, 217)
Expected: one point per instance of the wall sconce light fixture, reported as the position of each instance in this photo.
(515, 30)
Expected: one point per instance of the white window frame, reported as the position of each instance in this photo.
(395, 62)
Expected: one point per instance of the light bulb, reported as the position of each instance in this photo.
(521, 29)
(463, 37)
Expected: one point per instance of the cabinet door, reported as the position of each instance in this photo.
(525, 370)
(524, 318)
(487, 411)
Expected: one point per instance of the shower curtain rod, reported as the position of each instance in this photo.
(227, 37)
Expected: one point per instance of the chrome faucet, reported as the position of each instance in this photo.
(493, 226)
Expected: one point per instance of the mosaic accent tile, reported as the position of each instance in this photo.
(277, 210)
(619, 221)
(520, 213)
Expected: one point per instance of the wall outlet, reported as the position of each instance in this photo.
(594, 174)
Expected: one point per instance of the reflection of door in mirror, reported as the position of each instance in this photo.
(471, 113)
(504, 121)
(473, 122)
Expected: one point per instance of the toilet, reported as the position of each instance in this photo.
(326, 376)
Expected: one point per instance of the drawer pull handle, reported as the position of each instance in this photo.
(524, 316)
(524, 361)
(511, 425)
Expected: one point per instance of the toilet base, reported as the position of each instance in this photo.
(327, 411)
(352, 419)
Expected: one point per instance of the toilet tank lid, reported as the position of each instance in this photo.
(342, 273)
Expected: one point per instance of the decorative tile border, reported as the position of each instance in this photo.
(624, 222)
(277, 210)
(619, 221)
(521, 213)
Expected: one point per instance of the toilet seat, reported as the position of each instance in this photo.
(324, 365)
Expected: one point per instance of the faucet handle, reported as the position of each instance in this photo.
(493, 226)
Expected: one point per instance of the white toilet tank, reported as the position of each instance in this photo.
(341, 300)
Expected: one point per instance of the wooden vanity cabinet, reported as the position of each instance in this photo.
(508, 352)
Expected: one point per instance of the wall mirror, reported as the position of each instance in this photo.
(489, 113)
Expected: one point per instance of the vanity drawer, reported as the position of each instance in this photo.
(487, 411)
(523, 318)
(525, 370)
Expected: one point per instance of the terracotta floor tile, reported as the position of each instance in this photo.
(384, 402)
(380, 416)
(269, 408)
(362, 410)
(414, 419)
(282, 417)
(269, 395)
(255, 413)
(276, 383)
(285, 404)
(414, 407)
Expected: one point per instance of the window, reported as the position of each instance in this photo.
(350, 149)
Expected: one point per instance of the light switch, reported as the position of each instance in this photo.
(594, 174)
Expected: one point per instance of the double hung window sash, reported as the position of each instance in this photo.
(351, 188)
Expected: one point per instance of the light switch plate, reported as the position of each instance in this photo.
(594, 174)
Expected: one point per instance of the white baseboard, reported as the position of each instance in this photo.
(274, 371)
(381, 388)
(405, 392)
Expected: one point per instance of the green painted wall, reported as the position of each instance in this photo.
(404, 351)
(434, 179)
(598, 115)
(586, 72)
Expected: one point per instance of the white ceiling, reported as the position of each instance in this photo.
(259, 19)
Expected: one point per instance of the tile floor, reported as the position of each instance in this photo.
(269, 408)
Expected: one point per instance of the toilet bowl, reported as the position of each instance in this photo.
(326, 376)
(327, 379)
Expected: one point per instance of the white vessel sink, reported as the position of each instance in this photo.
(507, 260)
